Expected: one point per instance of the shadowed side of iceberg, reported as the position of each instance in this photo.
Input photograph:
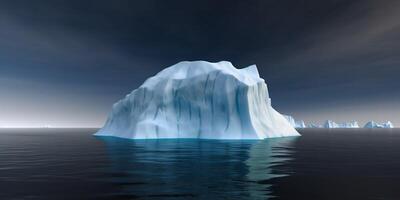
(198, 100)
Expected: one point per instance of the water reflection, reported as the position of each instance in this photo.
(263, 163)
(195, 168)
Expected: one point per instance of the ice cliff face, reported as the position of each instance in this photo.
(294, 123)
(198, 100)
(373, 124)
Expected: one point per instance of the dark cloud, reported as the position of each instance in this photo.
(318, 57)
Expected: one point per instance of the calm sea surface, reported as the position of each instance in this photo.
(321, 164)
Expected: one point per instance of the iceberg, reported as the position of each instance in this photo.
(201, 100)
(388, 124)
(373, 124)
(301, 124)
(332, 124)
(291, 120)
(352, 124)
(294, 123)
(314, 126)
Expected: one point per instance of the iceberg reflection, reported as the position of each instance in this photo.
(194, 168)
(263, 163)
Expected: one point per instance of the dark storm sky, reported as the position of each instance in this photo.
(64, 63)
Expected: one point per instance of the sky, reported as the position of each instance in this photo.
(65, 62)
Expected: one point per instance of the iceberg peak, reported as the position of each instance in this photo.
(187, 70)
(251, 70)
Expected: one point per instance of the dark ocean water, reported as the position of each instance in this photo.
(321, 164)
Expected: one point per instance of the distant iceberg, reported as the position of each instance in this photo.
(332, 124)
(198, 100)
(301, 124)
(352, 124)
(388, 124)
(373, 124)
(294, 123)
(312, 125)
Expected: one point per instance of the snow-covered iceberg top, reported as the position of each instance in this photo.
(198, 100)
(373, 124)
(294, 123)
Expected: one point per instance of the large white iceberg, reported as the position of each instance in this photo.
(198, 100)
(294, 123)
(373, 124)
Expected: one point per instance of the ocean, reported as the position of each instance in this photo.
(320, 164)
